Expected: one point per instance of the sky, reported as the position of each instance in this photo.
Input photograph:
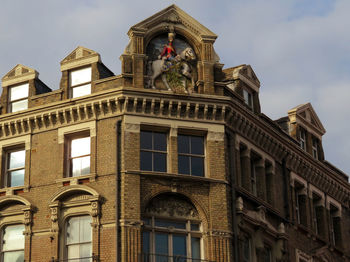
(299, 49)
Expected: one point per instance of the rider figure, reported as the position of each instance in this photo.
(169, 52)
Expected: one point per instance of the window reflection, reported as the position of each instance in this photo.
(18, 97)
(80, 154)
(15, 168)
(80, 82)
(12, 247)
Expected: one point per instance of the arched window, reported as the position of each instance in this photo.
(12, 243)
(172, 230)
(78, 239)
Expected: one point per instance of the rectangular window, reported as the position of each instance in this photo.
(79, 156)
(79, 239)
(315, 148)
(191, 155)
(153, 151)
(12, 247)
(248, 98)
(300, 204)
(302, 138)
(245, 249)
(15, 168)
(335, 221)
(253, 188)
(18, 97)
(80, 82)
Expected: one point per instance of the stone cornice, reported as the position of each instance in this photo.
(194, 107)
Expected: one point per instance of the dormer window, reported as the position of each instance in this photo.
(80, 82)
(314, 147)
(302, 138)
(248, 98)
(18, 97)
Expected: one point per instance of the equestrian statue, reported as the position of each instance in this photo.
(172, 67)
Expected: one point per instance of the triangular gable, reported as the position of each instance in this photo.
(175, 15)
(244, 73)
(308, 115)
(19, 73)
(80, 56)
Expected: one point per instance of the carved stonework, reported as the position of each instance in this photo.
(95, 213)
(54, 209)
(172, 206)
(171, 64)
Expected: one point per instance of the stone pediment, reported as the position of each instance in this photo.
(244, 73)
(174, 15)
(19, 73)
(307, 115)
(79, 57)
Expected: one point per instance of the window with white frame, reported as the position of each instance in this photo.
(190, 155)
(12, 243)
(80, 82)
(18, 97)
(79, 151)
(15, 167)
(153, 151)
(78, 239)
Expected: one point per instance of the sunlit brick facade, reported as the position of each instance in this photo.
(172, 160)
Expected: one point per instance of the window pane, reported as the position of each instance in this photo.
(146, 140)
(161, 244)
(146, 161)
(13, 238)
(73, 230)
(85, 229)
(145, 242)
(18, 92)
(183, 144)
(16, 256)
(81, 90)
(197, 166)
(197, 145)
(159, 141)
(194, 227)
(17, 159)
(19, 105)
(195, 247)
(179, 247)
(165, 223)
(80, 146)
(85, 251)
(80, 76)
(159, 163)
(81, 166)
(184, 164)
(73, 252)
(16, 178)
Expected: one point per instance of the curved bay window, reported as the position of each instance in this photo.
(172, 231)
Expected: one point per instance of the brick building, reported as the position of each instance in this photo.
(170, 161)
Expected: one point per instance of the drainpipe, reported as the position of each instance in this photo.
(117, 191)
(231, 162)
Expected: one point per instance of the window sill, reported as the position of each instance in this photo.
(16, 190)
(175, 176)
(77, 180)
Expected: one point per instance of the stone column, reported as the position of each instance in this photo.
(130, 240)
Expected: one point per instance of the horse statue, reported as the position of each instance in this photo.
(161, 66)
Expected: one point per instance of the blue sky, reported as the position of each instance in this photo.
(299, 49)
